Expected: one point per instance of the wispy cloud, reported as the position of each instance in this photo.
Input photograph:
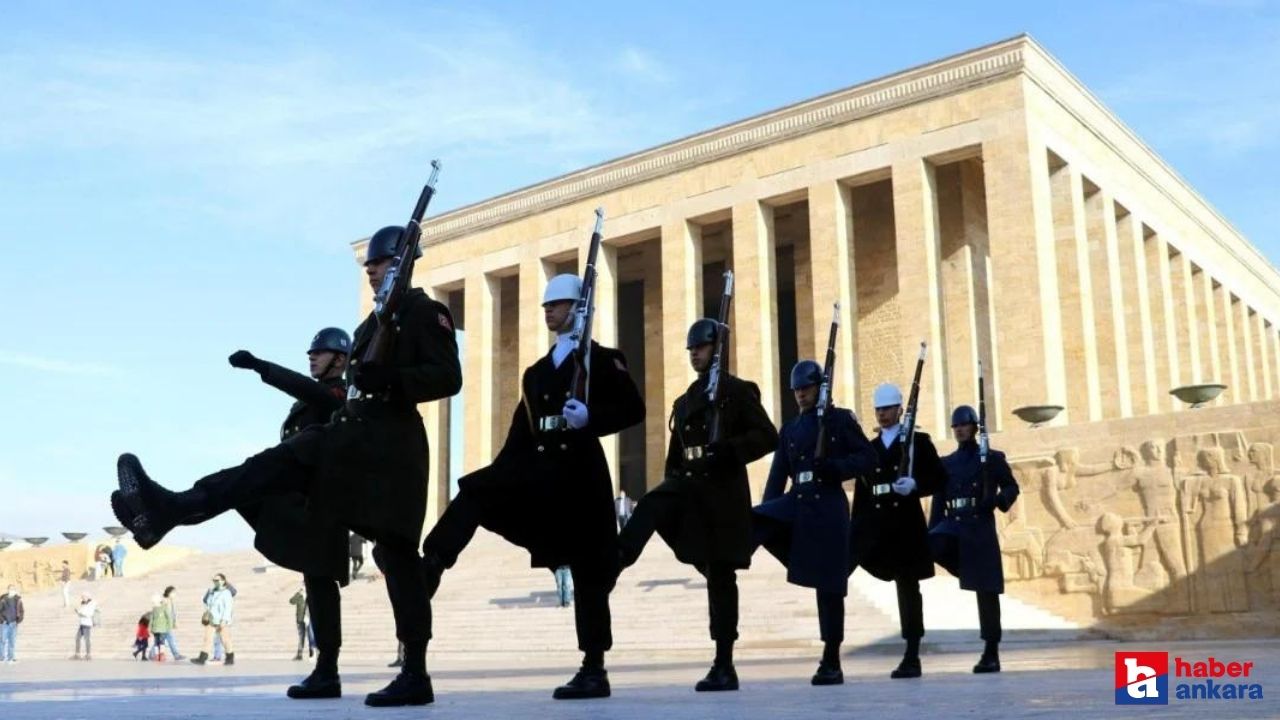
(641, 65)
(55, 366)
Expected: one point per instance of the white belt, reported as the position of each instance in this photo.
(552, 423)
(881, 489)
(804, 477)
(696, 452)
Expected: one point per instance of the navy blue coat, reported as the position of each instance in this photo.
(965, 542)
(807, 528)
(888, 536)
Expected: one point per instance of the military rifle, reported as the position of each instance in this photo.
(988, 492)
(824, 396)
(907, 462)
(720, 358)
(395, 284)
(583, 314)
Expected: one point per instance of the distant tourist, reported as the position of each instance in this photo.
(86, 618)
(65, 579)
(142, 637)
(219, 603)
(564, 585)
(357, 554)
(299, 603)
(117, 559)
(171, 613)
(11, 614)
(101, 559)
(161, 625)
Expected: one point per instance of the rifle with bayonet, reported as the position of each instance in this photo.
(906, 464)
(824, 396)
(721, 357)
(395, 284)
(984, 445)
(584, 313)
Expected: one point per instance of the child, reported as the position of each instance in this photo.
(141, 636)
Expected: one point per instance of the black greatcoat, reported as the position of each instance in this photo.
(713, 525)
(372, 458)
(550, 491)
(284, 531)
(815, 548)
(888, 536)
(965, 541)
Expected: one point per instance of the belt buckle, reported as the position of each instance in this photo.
(696, 452)
(881, 489)
(804, 477)
(551, 423)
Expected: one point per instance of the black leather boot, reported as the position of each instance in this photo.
(908, 668)
(588, 682)
(721, 677)
(409, 688)
(320, 684)
(231, 660)
(200, 659)
(990, 660)
(828, 674)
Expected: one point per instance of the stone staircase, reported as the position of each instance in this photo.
(492, 602)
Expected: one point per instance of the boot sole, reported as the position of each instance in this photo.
(129, 509)
(308, 695)
(576, 695)
(400, 702)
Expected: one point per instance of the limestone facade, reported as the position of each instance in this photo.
(985, 203)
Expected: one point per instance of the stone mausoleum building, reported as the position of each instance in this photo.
(986, 203)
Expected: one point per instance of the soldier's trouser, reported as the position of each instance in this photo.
(453, 531)
(989, 615)
(651, 509)
(591, 617)
(722, 600)
(274, 471)
(910, 608)
(325, 605)
(407, 591)
(831, 617)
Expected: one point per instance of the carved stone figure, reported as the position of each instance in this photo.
(1222, 528)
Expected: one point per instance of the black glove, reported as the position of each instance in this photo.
(373, 378)
(245, 360)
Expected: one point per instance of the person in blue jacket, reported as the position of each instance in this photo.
(807, 528)
(962, 526)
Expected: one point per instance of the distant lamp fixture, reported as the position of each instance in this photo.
(36, 541)
(115, 531)
(1198, 395)
(1037, 415)
(75, 536)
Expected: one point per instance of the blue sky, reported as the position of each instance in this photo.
(180, 180)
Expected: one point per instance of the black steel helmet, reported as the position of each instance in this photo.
(331, 339)
(702, 332)
(385, 242)
(964, 415)
(805, 373)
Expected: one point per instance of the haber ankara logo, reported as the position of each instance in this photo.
(1142, 678)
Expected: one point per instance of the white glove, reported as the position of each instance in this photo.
(904, 485)
(575, 413)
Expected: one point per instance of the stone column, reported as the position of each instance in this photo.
(534, 339)
(1207, 312)
(1232, 376)
(1189, 327)
(1114, 349)
(1138, 316)
(1079, 341)
(1263, 357)
(755, 312)
(1024, 279)
(915, 215)
(681, 302)
(833, 272)
(656, 331)
(606, 333)
(482, 297)
(1250, 369)
(1163, 320)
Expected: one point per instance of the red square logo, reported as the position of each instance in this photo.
(1142, 678)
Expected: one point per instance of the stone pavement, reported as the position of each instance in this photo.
(1072, 679)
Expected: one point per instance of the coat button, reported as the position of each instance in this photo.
(546, 397)
(540, 448)
(563, 446)
(688, 474)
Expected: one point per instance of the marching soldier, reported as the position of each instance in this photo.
(366, 468)
(962, 526)
(702, 509)
(807, 528)
(284, 531)
(549, 490)
(888, 536)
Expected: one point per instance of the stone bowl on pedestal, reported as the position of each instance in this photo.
(75, 536)
(115, 531)
(1198, 395)
(1037, 414)
(36, 541)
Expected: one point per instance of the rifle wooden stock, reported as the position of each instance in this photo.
(721, 357)
(585, 314)
(907, 462)
(824, 392)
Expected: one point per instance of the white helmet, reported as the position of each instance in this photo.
(562, 287)
(886, 395)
